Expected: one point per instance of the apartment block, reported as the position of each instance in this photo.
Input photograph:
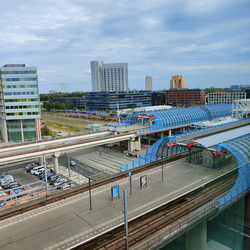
(109, 77)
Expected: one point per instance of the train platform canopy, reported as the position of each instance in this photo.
(235, 142)
(213, 140)
(173, 118)
(212, 123)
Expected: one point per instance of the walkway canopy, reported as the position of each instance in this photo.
(237, 142)
(179, 117)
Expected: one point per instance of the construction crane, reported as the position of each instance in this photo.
(64, 85)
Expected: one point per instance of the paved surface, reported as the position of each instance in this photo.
(67, 223)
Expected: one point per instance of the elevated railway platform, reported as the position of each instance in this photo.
(69, 223)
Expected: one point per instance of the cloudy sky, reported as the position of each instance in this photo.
(207, 41)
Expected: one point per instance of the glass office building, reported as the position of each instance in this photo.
(19, 103)
(125, 100)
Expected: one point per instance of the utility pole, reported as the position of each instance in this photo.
(90, 204)
(125, 217)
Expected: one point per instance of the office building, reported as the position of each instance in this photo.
(148, 83)
(19, 103)
(177, 82)
(125, 100)
(185, 97)
(247, 93)
(158, 98)
(225, 97)
(109, 77)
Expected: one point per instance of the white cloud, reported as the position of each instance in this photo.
(158, 38)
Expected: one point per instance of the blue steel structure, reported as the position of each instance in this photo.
(179, 117)
(237, 142)
(167, 146)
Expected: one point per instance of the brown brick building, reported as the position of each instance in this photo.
(177, 82)
(185, 97)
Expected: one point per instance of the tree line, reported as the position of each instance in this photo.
(49, 96)
(58, 106)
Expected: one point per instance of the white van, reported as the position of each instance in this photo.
(35, 169)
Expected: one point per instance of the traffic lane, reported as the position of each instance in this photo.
(79, 168)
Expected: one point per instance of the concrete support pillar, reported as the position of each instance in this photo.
(196, 238)
(3, 127)
(21, 125)
(55, 162)
(162, 134)
(41, 160)
(131, 146)
(183, 130)
(169, 132)
(175, 132)
(139, 144)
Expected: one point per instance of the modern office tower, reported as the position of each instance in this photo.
(148, 83)
(19, 103)
(225, 97)
(109, 77)
(177, 82)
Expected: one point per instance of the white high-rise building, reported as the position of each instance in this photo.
(148, 83)
(109, 76)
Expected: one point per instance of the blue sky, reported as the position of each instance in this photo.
(208, 42)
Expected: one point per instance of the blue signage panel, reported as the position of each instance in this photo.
(115, 191)
(75, 167)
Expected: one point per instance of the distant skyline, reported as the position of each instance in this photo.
(205, 41)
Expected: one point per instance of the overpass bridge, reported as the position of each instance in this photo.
(227, 181)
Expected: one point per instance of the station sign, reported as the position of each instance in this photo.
(143, 182)
(115, 192)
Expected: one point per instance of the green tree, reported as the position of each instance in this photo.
(74, 108)
(107, 110)
(67, 104)
(45, 131)
(63, 106)
(58, 105)
(115, 112)
(72, 105)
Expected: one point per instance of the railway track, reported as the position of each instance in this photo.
(150, 224)
(23, 208)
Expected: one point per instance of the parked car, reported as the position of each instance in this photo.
(17, 189)
(53, 179)
(31, 165)
(6, 180)
(72, 163)
(48, 175)
(2, 194)
(52, 176)
(65, 186)
(10, 184)
(59, 182)
(15, 186)
(35, 169)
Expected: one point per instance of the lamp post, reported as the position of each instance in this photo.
(90, 204)
(125, 217)
(162, 168)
